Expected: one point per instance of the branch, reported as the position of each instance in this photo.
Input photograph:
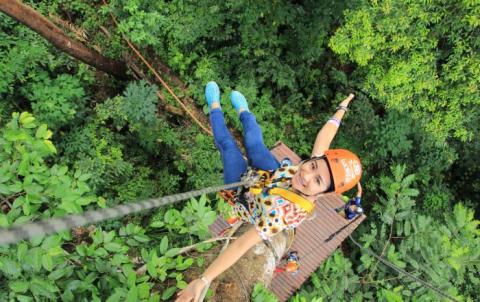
(380, 281)
(141, 270)
(79, 33)
(384, 249)
(138, 74)
(53, 34)
(230, 233)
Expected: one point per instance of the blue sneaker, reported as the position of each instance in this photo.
(212, 93)
(238, 101)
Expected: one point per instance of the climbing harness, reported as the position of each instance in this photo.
(304, 203)
(263, 182)
(53, 225)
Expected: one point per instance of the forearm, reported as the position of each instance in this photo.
(232, 253)
(329, 130)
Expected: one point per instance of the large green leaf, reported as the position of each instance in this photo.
(19, 286)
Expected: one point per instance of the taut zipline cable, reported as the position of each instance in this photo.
(53, 225)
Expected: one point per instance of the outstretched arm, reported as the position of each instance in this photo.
(226, 259)
(328, 131)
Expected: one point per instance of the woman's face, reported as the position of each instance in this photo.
(312, 177)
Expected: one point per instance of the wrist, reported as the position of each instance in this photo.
(335, 121)
(205, 280)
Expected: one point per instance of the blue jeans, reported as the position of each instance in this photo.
(234, 165)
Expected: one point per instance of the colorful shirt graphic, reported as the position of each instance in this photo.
(271, 214)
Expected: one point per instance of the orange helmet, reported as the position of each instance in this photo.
(345, 168)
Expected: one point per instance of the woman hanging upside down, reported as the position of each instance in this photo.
(271, 211)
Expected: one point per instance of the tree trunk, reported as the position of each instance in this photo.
(38, 23)
(257, 265)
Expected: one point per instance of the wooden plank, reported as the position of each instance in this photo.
(310, 246)
(282, 151)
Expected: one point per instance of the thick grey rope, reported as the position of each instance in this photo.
(54, 225)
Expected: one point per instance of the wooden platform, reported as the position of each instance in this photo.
(310, 235)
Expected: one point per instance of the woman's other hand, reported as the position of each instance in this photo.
(192, 292)
(329, 130)
(347, 101)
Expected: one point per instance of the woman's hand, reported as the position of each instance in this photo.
(192, 292)
(347, 101)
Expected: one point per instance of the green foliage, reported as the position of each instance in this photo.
(95, 150)
(143, 185)
(18, 63)
(383, 141)
(140, 103)
(6, 110)
(419, 57)
(198, 217)
(441, 251)
(46, 268)
(335, 280)
(35, 77)
(202, 165)
(89, 264)
(267, 50)
(117, 143)
(136, 110)
(415, 62)
(261, 294)
(27, 183)
(193, 219)
(56, 102)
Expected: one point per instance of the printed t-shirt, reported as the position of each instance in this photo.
(272, 214)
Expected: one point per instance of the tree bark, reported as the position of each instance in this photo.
(257, 265)
(40, 24)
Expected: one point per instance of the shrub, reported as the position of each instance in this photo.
(57, 102)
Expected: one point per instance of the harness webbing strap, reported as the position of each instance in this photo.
(265, 181)
(304, 203)
(53, 225)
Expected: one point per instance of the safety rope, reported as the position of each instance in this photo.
(341, 229)
(53, 225)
